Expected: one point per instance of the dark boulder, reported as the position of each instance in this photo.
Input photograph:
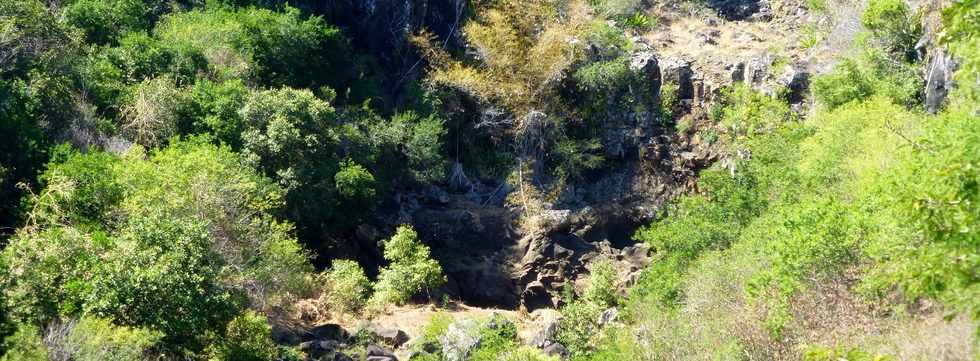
(391, 336)
(376, 353)
(327, 331)
(742, 9)
(556, 349)
(546, 336)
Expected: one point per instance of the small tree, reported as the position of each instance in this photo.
(411, 269)
(347, 285)
(602, 284)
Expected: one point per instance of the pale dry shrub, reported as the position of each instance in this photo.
(150, 117)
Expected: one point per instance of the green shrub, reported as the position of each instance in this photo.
(103, 21)
(498, 336)
(871, 73)
(347, 286)
(575, 157)
(603, 76)
(95, 339)
(668, 101)
(410, 270)
(933, 192)
(418, 138)
(95, 192)
(894, 24)
(602, 286)
(750, 112)
(355, 184)
(437, 326)
(962, 36)
(192, 235)
(844, 84)
(24, 345)
(638, 22)
(817, 5)
(289, 135)
(248, 337)
(270, 48)
(820, 353)
(579, 327)
(214, 109)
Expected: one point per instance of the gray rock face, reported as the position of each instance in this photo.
(461, 338)
(795, 79)
(939, 79)
(546, 336)
(376, 353)
(608, 316)
(678, 71)
(391, 336)
(645, 64)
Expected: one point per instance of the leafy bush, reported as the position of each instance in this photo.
(844, 84)
(104, 21)
(894, 24)
(579, 327)
(410, 269)
(24, 345)
(574, 158)
(347, 286)
(751, 112)
(420, 139)
(214, 109)
(602, 286)
(934, 194)
(603, 75)
(498, 336)
(871, 73)
(355, 184)
(819, 353)
(95, 339)
(95, 192)
(192, 235)
(266, 47)
(248, 337)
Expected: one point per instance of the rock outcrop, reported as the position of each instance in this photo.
(939, 79)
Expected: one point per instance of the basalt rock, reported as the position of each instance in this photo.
(939, 79)
(460, 339)
(742, 9)
(376, 353)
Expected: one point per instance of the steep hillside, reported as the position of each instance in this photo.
(489, 180)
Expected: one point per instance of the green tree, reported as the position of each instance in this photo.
(409, 272)
(347, 286)
(289, 135)
(190, 241)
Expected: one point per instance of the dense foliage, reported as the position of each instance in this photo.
(174, 172)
